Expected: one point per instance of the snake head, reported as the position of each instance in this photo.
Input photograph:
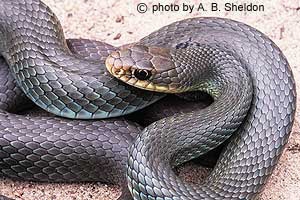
(148, 68)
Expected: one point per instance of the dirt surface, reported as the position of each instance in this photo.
(118, 22)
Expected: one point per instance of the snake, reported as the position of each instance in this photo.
(88, 89)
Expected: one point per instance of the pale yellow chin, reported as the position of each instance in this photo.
(146, 85)
(122, 75)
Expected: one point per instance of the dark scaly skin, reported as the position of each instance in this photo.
(51, 76)
(42, 148)
(216, 72)
(105, 142)
(284, 105)
(4, 198)
(249, 159)
(254, 150)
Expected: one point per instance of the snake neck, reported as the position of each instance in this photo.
(208, 69)
(187, 136)
(218, 73)
(248, 160)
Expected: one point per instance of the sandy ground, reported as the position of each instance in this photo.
(118, 22)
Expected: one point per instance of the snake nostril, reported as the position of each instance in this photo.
(118, 71)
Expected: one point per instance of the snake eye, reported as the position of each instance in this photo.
(142, 74)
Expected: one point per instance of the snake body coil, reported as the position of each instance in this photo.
(245, 72)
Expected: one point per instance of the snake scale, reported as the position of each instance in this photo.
(242, 69)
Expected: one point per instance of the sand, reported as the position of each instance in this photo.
(118, 22)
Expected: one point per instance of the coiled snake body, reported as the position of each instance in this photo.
(244, 71)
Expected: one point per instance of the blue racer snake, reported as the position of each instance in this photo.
(242, 69)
